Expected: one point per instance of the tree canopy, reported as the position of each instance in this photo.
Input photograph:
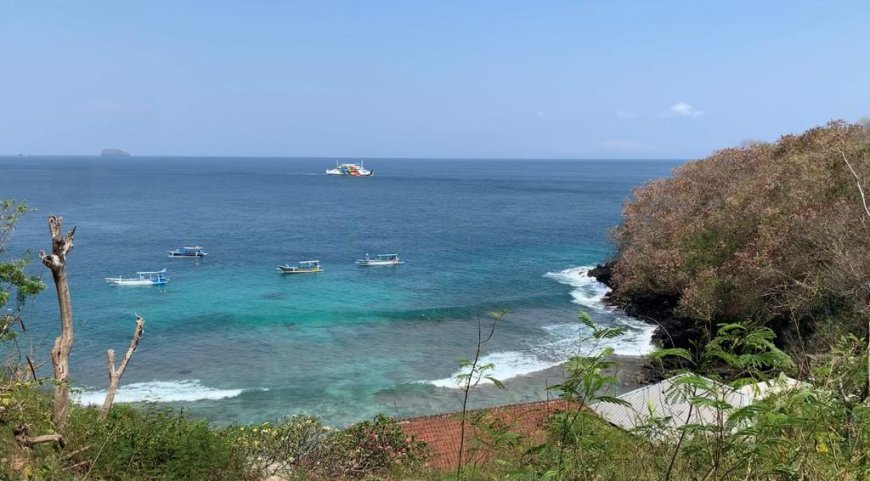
(15, 285)
(773, 233)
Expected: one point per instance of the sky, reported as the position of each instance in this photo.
(436, 79)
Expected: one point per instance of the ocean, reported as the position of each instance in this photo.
(232, 340)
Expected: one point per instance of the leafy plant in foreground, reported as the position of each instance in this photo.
(469, 380)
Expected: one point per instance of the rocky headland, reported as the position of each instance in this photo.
(672, 330)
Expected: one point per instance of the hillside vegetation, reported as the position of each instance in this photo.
(754, 249)
(774, 234)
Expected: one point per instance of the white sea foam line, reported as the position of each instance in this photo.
(589, 293)
(185, 390)
(573, 339)
(507, 364)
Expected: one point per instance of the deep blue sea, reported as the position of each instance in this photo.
(231, 339)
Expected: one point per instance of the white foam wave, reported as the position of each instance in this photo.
(185, 390)
(506, 364)
(588, 291)
(565, 337)
(637, 340)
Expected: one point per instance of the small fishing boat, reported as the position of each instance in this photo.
(154, 278)
(304, 267)
(380, 260)
(351, 169)
(195, 251)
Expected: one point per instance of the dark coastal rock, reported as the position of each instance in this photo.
(603, 273)
(657, 309)
(672, 330)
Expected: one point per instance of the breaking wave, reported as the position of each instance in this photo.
(507, 365)
(563, 339)
(186, 390)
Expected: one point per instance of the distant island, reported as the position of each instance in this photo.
(114, 153)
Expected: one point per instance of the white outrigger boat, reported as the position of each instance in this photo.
(304, 267)
(195, 251)
(380, 260)
(351, 169)
(155, 278)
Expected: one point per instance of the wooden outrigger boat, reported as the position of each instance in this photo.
(304, 267)
(195, 251)
(380, 260)
(145, 278)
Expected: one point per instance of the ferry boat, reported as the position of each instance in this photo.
(380, 260)
(195, 251)
(155, 278)
(304, 267)
(353, 170)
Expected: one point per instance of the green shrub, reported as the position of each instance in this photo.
(295, 445)
(375, 446)
(150, 444)
(302, 447)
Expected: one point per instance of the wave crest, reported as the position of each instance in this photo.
(506, 365)
(563, 337)
(588, 292)
(185, 390)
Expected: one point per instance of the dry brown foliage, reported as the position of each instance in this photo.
(774, 233)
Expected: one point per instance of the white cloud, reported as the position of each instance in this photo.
(682, 109)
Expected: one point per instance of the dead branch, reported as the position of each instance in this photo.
(116, 373)
(32, 368)
(26, 442)
(80, 464)
(61, 245)
(74, 453)
(857, 181)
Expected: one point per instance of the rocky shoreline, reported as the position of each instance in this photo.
(672, 330)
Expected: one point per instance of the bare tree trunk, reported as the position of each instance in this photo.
(115, 374)
(56, 261)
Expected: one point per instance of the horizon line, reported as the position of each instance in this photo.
(334, 158)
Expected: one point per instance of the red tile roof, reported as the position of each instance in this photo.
(442, 432)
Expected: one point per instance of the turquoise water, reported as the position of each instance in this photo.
(231, 339)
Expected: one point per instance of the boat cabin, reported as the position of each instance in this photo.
(193, 251)
(301, 267)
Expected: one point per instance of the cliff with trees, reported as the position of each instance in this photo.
(757, 243)
(774, 234)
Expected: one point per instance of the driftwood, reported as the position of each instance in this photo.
(61, 245)
(116, 373)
